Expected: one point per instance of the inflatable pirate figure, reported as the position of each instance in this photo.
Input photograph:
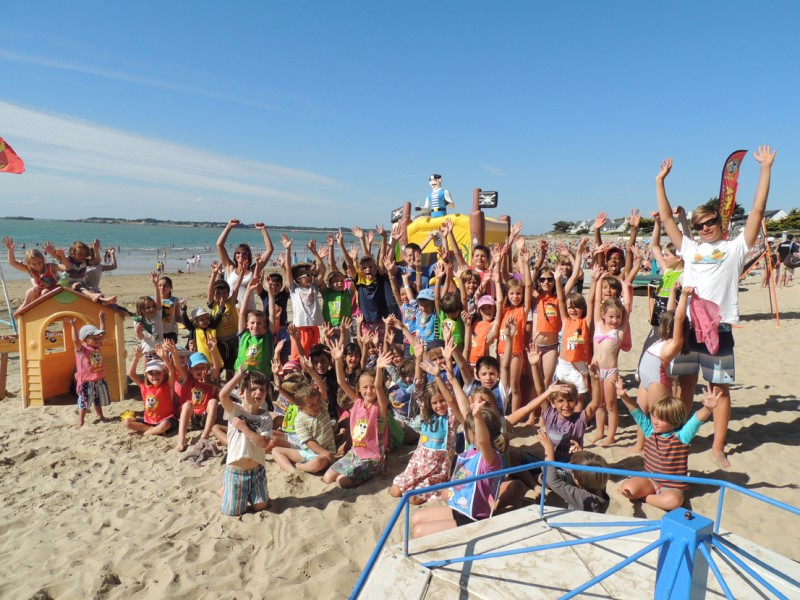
(438, 200)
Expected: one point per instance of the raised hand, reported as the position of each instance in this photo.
(380, 230)
(534, 354)
(233, 223)
(517, 227)
(312, 246)
(384, 360)
(429, 368)
(710, 400)
(339, 237)
(600, 220)
(9, 243)
(765, 155)
(369, 237)
(664, 169)
(635, 218)
(357, 231)
(287, 243)
(330, 239)
(259, 225)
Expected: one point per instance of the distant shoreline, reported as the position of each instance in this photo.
(205, 224)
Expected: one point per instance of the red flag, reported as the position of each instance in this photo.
(9, 161)
(728, 187)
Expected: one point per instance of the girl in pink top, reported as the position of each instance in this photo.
(90, 373)
(368, 423)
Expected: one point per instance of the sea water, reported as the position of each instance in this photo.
(139, 247)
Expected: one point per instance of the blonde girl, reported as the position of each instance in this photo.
(44, 276)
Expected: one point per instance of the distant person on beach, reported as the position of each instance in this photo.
(243, 266)
(786, 249)
(44, 275)
(712, 267)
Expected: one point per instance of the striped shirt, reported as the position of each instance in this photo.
(316, 428)
(667, 453)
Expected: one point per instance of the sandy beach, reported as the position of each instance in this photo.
(96, 513)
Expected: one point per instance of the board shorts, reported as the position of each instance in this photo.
(358, 469)
(716, 368)
(197, 422)
(93, 393)
(243, 486)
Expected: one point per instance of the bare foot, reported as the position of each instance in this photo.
(720, 458)
(108, 300)
(635, 450)
(181, 446)
(79, 425)
(596, 438)
(607, 442)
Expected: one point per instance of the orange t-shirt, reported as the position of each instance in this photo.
(480, 332)
(519, 339)
(548, 317)
(576, 344)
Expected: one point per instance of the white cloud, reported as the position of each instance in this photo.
(75, 67)
(72, 164)
(492, 170)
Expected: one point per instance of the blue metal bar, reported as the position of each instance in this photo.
(373, 558)
(673, 573)
(543, 492)
(746, 568)
(715, 569)
(756, 560)
(719, 509)
(543, 465)
(609, 524)
(407, 526)
(564, 544)
(632, 558)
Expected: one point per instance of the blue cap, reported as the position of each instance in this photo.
(198, 358)
(426, 294)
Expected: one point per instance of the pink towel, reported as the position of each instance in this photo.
(705, 320)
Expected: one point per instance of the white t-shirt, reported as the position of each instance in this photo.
(713, 270)
(238, 445)
(232, 278)
(306, 310)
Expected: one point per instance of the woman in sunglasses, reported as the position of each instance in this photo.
(242, 266)
(712, 266)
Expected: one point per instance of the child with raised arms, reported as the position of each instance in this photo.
(576, 349)
(610, 321)
(221, 301)
(368, 424)
(439, 418)
(256, 334)
(156, 389)
(44, 275)
(197, 395)
(304, 291)
(474, 501)
(668, 434)
(90, 374)
(249, 431)
(74, 263)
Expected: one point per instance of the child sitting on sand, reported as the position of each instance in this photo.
(90, 373)
(156, 389)
(313, 431)
(44, 275)
(666, 447)
(197, 395)
(581, 490)
(474, 501)
(245, 479)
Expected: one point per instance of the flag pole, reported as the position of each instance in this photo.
(11, 320)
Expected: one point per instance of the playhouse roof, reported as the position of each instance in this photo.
(59, 290)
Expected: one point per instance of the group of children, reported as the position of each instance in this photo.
(452, 357)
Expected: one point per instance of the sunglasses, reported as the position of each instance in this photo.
(710, 223)
(550, 279)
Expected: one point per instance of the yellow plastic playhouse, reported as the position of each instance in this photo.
(47, 357)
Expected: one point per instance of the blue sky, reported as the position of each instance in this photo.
(324, 113)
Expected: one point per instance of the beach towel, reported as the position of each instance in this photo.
(202, 451)
(705, 321)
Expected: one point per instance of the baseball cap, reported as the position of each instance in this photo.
(198, 358)
(426, 294)
(486, 300)
(89, 330)
(154, 365)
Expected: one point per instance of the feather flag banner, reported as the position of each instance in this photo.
(9, 161)
(728, 187)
